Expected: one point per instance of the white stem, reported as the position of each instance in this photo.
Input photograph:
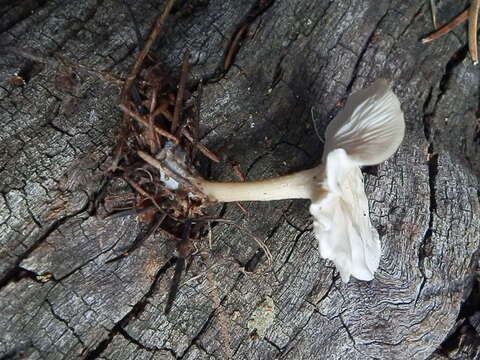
(300, 185)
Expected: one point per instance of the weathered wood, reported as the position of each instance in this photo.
(59, 297)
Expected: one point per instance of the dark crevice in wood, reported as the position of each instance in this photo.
(253, 262)
(432, 174)
(132, 340)
(202, 330)
(294, 245)
(19, 273)
(26, 9)
(425, 247)
(139, 307)
(350, 336)
(367, 44)
(427, 115)
(136, 310)
(175, 283)
(457, 58)
(432, 162)
(15, 272)
(277, 347)
(464, 329)
(65, 322)
(140, 239)
(257, 9)
(95, 353)
(201, 347)
(334, 278)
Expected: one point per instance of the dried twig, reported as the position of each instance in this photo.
(27, 54)
(472, 30)
(162, 110)
(132, 76)
(236, 170)
(157, 27)
(433, 8)
(203, 149)
(153, 139)
(315, 127)
(447, 27)
(119, 212)
(177, 115)
(234, 46)
(259, 242)
(242, 208)
(472, 15)
(144, 122)
(202, 274)
(140, 238)
(142, 192)
(195, 125)
(241, 31)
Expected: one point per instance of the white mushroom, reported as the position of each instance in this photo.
(367, 131)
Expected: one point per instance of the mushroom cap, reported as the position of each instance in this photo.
(367, 131)
(341, 220)
(370, 127)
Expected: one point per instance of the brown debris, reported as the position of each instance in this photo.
(203, 149)
(17, 80)
(177, 114)
(241, 31)
(137, 66)
(234, 46)
(147, 124)
(472, 30)
(157, 147)
(63, 64)
(447, 27)
(472, 15)
(236, 170)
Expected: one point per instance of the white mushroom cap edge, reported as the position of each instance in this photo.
(367, 131)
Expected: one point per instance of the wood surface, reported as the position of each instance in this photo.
(296, 63)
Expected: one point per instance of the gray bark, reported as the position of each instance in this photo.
(59, 297)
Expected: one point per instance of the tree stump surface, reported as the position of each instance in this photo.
(60, 299)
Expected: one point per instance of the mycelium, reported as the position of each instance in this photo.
(367, 131)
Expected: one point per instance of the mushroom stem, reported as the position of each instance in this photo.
(300, 185)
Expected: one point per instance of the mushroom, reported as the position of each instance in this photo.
(367, 131)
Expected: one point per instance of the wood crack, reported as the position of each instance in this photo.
(13, 273)
(136, 310)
